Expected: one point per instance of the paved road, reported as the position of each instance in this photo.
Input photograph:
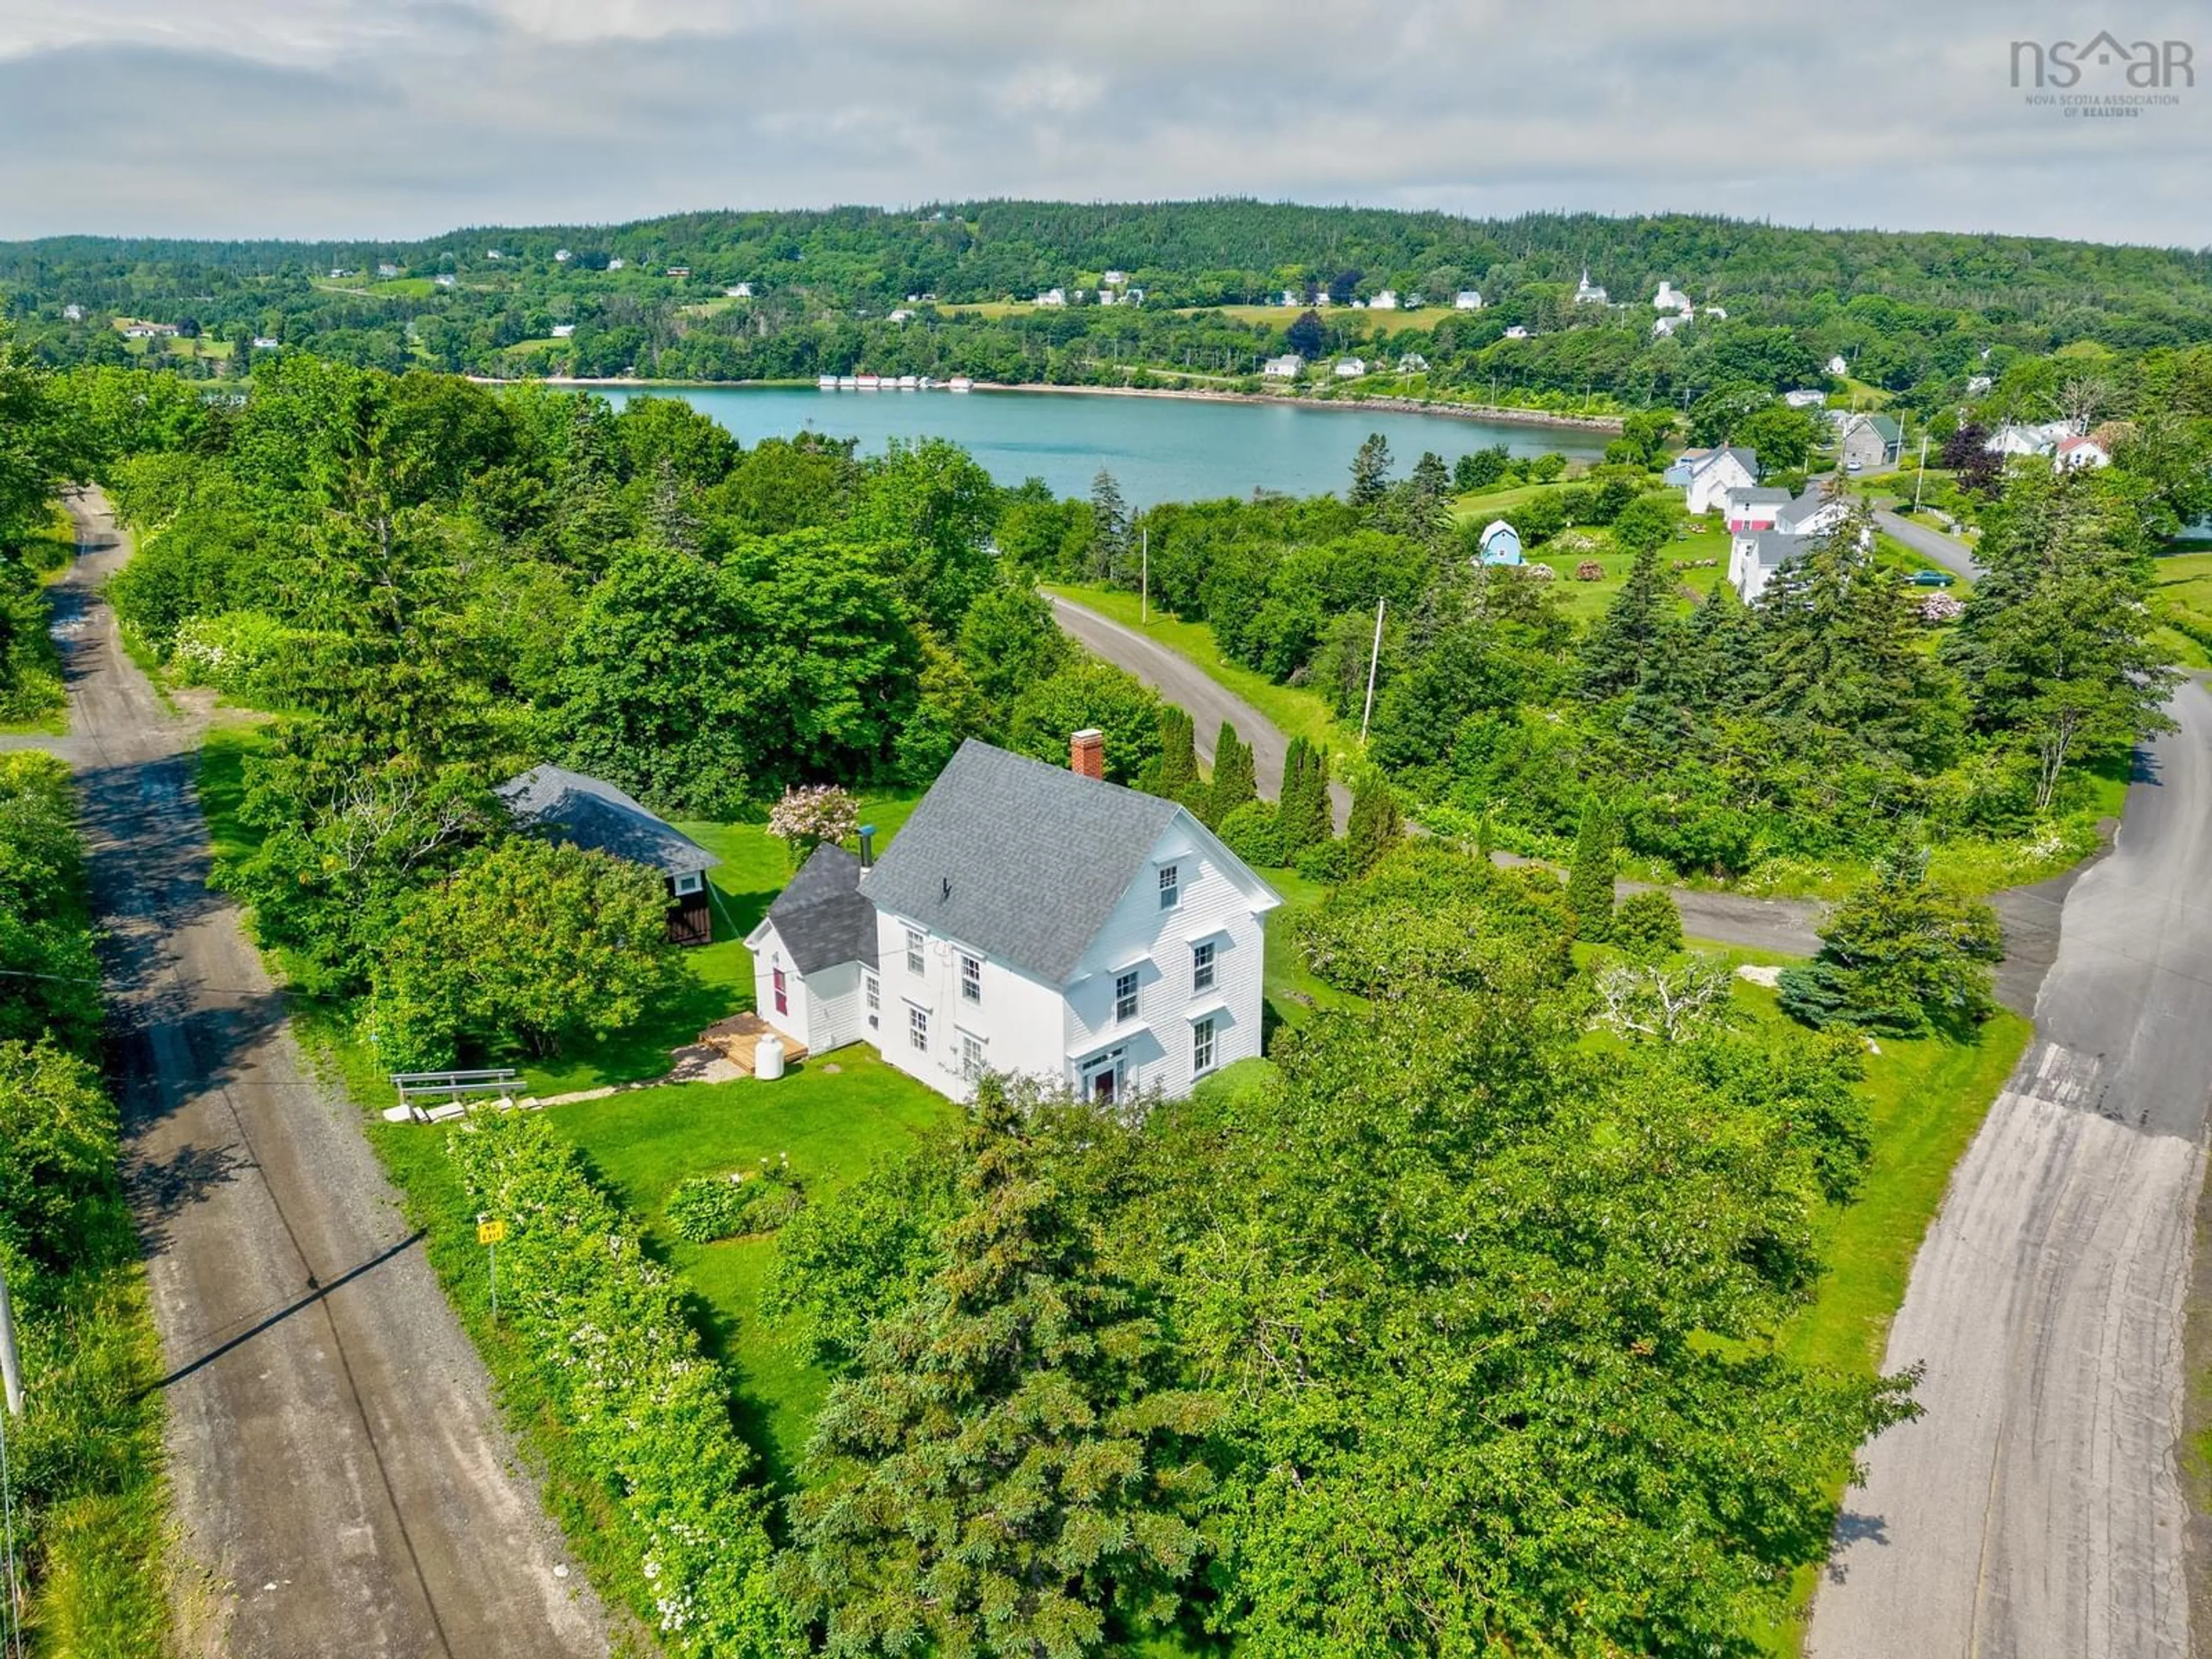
(1182, 682)
(1955, 556)
(2035, 1510)
(339, 1468)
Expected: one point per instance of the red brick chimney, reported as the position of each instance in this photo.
(1086, 754)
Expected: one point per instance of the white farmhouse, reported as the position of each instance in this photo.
(1468, 299)
(1386, 300)
(616, 264)
(1762, 546)
(1707, 476)
(1516, 332)
(2072, 453)
(1285, 368)
(1805, 397)
(1350, 368)
(564, 331)
(1670, 298)
(562, 255)
(72, 313)
(1838, 366)
(1051, 297)
(1030, 921)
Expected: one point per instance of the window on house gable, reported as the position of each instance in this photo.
(913, 963)
(1201, 966)
(971, 979)
(972, 1062)
(687, 884)
(1202, 1047)
(782, 1001)
(1125, 995)
(1170, 886)
(917, 1029)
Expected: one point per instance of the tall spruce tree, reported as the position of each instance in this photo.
(1109, 528)
(1305, 817)
(1235, 780)
(1622, 649)
(1370, 473)
(1012, 1473)
(1590, 878)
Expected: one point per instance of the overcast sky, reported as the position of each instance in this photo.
(407, 118)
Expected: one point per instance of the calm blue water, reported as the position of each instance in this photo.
(1158, 449)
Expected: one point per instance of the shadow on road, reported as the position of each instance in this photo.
(282, 1314)
(1852, 1528)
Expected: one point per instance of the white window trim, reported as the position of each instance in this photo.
(1212, 1041)
(971, 985)
(917, 952)
(1136, 998)
(915, 1012)
(1208, 966)
(1171, 885)
(689, 882)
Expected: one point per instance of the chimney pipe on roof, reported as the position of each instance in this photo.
(867, 846)
(1086, 754)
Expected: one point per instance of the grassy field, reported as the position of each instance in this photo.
(2181, 591)
(1296, 712)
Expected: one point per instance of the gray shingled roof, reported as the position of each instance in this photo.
(1022, 860)
(1805, 506)
(1775, 548)
(590, 812)
(822, 918)
(1759, 496)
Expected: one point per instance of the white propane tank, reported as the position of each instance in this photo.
(768, 1059)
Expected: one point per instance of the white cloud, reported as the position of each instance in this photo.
(408, 117)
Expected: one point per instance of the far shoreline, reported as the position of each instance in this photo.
(1493, 413)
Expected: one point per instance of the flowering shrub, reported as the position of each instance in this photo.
(1589, 570)
(1541, 572)
(707, 1207)
(810, 814)
(228, 652)
(647, 1415)
(1937, 609)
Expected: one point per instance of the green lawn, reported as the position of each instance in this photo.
(833, 1115)
(1295, 712)
(222, 783)
(2181, 591)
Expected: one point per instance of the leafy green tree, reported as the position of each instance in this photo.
(2054, 647)
(531, 945)
(1087, 693)
(1646, 523)
(57, 1132)
(1010, 1471)
(1306, 816)
(1590, 877)
(1901, 954)
(931, 508)
(1252, 832)
(1009, 641)
(1370, 473)
(1375, 826)
(1718, 416)
(1235, 780)
(1784, 437)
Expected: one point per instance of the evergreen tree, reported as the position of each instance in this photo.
(1306, 815)
(1623, 648)
(1234, 780)
(1370, 473)
(1840, 654)
(1176, 770)
(1590, 878)
(1109, 528)
(1376, 826)
(1012, 1475)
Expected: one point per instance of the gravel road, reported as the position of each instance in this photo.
(1953, 555)
(1182, 682)
(2036, 1509)
(340, 1471)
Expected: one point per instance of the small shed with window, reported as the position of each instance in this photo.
(592, 813)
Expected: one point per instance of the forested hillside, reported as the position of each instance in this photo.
(1912, 314)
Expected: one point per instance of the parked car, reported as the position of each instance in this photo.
(1933, 579)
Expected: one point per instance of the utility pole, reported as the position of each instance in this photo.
(1374, 658)
(1921, 476)
(11, 1365)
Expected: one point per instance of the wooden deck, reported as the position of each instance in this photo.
(737, 1037)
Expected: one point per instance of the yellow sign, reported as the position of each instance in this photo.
(491, 1232)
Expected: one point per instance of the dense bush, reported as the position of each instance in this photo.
(604, 1329)
(1647, 926)
(1252, 832)
(704, 1208)
(1901, 955)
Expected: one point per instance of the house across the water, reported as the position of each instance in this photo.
(592, 813)
(1028, 921)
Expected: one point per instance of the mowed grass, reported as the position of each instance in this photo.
(833, 1115)
(2181, 591)
(1293, 711)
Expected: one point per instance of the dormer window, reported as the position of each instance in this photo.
(689, 882)
(1170, 886)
